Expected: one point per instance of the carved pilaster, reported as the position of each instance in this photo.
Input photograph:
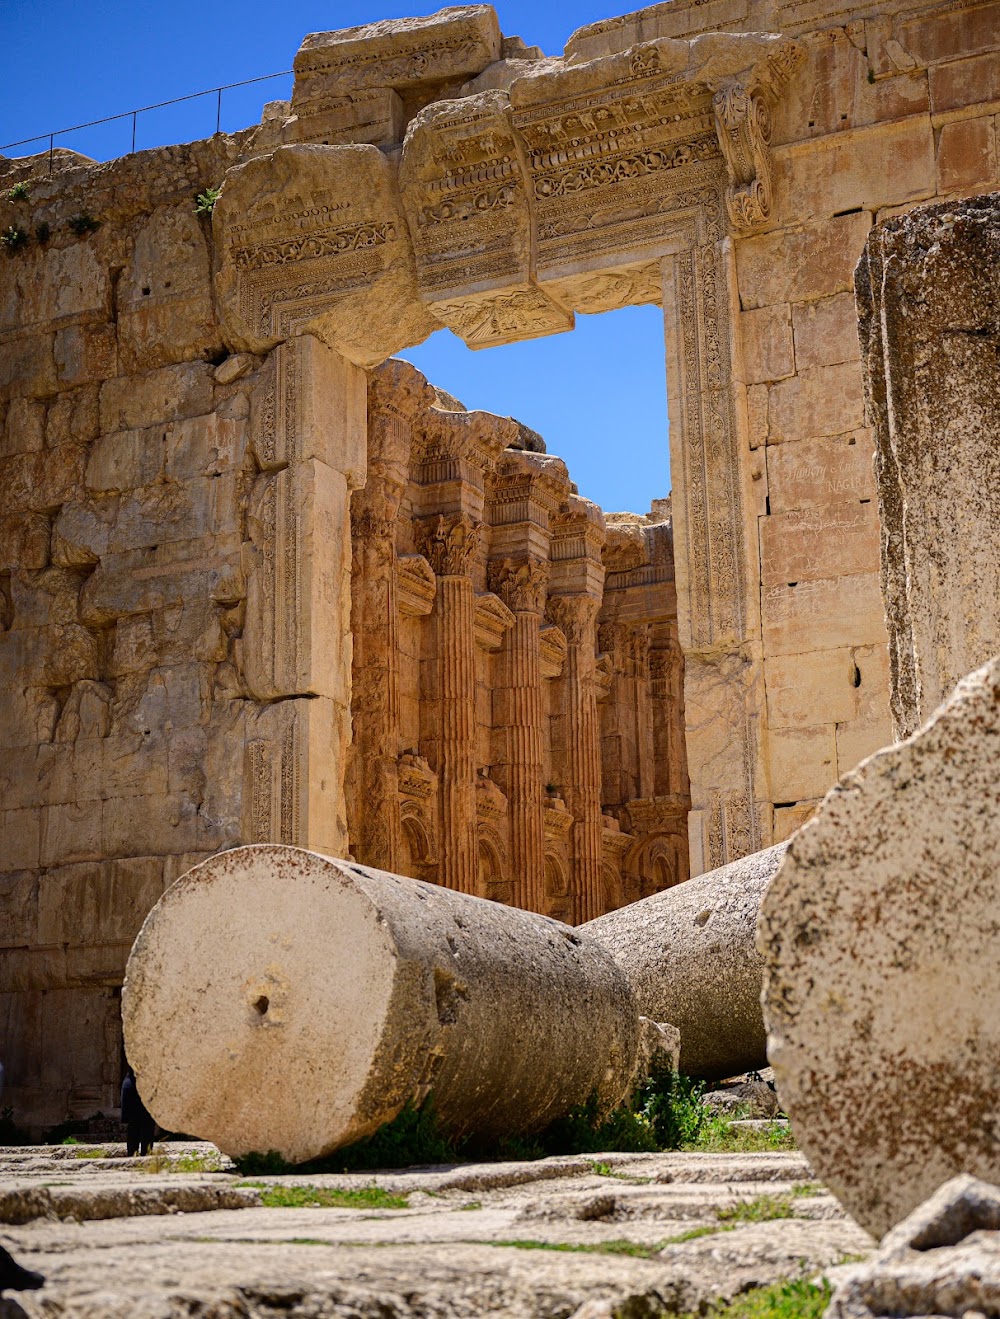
(743, 122)
(449, 544)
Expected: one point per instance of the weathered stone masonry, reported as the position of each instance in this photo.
(175, 548)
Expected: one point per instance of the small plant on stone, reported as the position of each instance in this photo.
(83, 224)
(204, 203)
(15, 238)
(795, 1299)
(19, 193)
(760, 1210)
(43, 231)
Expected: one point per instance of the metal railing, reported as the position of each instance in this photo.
(134, 114)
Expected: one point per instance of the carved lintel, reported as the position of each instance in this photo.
(493, 619)
(416, 586)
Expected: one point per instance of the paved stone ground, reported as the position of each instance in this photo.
(118, 1240)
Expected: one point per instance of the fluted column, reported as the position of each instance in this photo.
(521, 586)
(449, 544)
(576, 617)
(375, 823)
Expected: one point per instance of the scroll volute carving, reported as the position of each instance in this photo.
(743, 121)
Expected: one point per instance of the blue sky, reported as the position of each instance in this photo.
(597, 395)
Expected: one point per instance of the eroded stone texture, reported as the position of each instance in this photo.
(690, 959)
(942, 1262)
(332, 216)
(879, 934)
(269, 963)
(928, 289)
(518, 683)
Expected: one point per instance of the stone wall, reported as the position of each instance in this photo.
(153, 516)
(518, 683)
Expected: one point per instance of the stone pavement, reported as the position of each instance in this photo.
(119, 1238)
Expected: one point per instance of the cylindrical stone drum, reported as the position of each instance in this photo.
(280, 1000)
(690, 958)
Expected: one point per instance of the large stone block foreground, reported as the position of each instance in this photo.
(880, 934)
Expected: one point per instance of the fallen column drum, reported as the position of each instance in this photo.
(690, 957)
(280, 1000)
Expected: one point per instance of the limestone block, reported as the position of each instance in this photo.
(942, 1260)
(375, 116)
(884, 165)
(381, 989)
(310, 402)
(103, 903)
(802, 762)
(20, 831)
(312, 239)
(164, 294)
(814, 260)
(56, 286)
(611, 35)
(157, 825)
(966, 155)
(452, 45)
(71, 831)
(928, 289)
(297, 560)
(46, 479)
(789, 818)
(767, 344)
(24, 429)
(28, 715)
(24, 540)
(138, 582)
(879, 933)
(170, 393)
(838, 540)
(74, 415)
(814, 688)
(823, 614)
(941, 37)
(826, 332)
(858, 740)
(27, 367)
(688, 954)
(820, 473)
(958, 83)
(827, 400)
(85, 353)
(18, 908)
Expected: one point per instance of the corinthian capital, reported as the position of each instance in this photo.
(575, 616)
(520, 583)
(449, 544)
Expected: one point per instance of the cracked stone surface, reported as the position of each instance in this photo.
(450, 1253)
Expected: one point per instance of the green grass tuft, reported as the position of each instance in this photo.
(693, 1233)
(633, 1248)
(760, 1210)
(327, 1197)
(796, 1299)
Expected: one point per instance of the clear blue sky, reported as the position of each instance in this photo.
(598, 395)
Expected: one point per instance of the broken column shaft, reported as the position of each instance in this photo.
(690, 959)
(280, 1000)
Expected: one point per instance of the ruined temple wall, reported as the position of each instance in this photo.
(148, 713)
(886, 111)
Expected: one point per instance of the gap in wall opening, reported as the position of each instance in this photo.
(597, 396)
